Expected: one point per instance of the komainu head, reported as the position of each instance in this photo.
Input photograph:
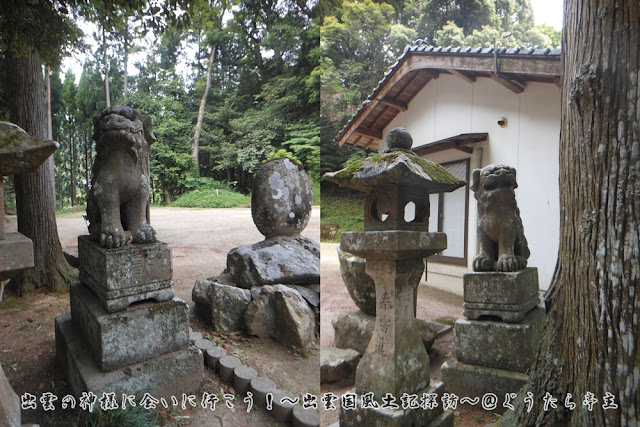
(503, 246)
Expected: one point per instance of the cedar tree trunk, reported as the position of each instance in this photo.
(35, 192)
(590, 342)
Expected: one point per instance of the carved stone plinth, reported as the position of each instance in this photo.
(400, 417)
(140, 332)
(509, 296)
(509, 346)
(120, 277)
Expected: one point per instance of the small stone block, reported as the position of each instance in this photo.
(305, 417)
(168, 375)
(227, 365)
(444, 420)
(283, 406)
(260, 387)
(194, 336)
(242, 377)
(212, 356)
(338, 364)
(126, 271)
(141, 332)
(476, 381)
(508, 295)
(203, 345)
(16, 254)
(508, 346)
(9, 403)
(395, 417)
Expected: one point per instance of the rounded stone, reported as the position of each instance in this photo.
(227, 365)
(302, 417)
(260, 387)
(213, 355)
(194, 336)
(203, 345)
(281, 199)
(399, 138)
(282, 411)
(361, 287)
(242, 377)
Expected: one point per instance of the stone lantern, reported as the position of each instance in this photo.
(394, 245)
(19, 153)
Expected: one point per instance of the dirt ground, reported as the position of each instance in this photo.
(433, 304)
(200, 239)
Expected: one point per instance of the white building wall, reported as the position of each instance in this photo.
(449, 106)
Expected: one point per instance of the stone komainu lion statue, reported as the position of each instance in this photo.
(117, 205)
(503, 246)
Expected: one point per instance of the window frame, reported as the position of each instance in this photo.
(444, 259)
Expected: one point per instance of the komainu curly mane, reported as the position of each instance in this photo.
(117, 205)
(503, 246)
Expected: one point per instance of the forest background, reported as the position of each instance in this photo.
(243, 83)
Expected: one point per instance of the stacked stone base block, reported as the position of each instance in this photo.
(134, 335)
(170, 374)
(400, 417)
(475, 381)
(500, 345)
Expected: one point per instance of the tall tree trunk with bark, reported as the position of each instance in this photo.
(589, 348)
(195, 143)
(35, 192)
(106, 69)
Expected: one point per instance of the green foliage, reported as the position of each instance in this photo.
(212, 198)
(135, 416)
(346, 211)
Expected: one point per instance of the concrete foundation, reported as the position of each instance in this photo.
(134, 335)
(168, 375)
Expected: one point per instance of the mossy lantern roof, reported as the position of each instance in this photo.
(20, 152)
(398, 167)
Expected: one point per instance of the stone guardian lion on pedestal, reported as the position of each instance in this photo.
(117, 204)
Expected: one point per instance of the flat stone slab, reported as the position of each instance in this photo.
(338, 364)
(393, 244)
(507, 295)
(353, 329)
(277, 260)
(396, 417)
(168, 375)
(16, 254)
(222, 305)
(21, 152)
(475, 381)
(141, 332)
(509, 346)
(9, 403)
(126, 271)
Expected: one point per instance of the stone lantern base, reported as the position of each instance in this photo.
(435, 417)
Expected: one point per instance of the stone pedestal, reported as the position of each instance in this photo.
(119, 277)
(492, 355)
(122, 335)
(435, 417)
(508, 296)
(16, 254)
